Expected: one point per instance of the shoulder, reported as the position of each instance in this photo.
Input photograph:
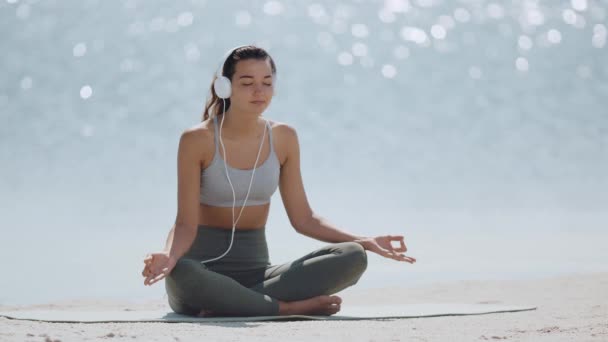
(195, 133)
(285, 132)
(195, 138)
(286, 140)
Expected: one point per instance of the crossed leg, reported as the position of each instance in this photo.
(193, 288)
(325, 271)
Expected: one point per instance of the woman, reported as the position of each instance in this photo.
(214, 266)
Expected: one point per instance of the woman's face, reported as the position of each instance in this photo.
(252, 86)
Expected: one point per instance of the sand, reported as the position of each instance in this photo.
(570, 308)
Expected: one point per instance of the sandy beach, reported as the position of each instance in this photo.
(570, 308)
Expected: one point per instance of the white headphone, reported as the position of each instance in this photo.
(222, 85)
(223, 89)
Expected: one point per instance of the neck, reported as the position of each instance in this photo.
(239, 125)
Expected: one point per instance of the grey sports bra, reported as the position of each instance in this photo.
(215, 189)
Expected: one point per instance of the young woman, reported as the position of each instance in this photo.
(214, 266)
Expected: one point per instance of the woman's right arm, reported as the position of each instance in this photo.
(181, 236)
(188, 193)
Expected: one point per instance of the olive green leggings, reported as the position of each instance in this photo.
(244, 283)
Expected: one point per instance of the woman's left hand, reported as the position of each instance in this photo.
(382, 245)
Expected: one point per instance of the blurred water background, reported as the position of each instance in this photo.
(477, 129)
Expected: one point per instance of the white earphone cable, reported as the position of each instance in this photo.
(230, 182)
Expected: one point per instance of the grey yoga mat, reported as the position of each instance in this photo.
(353, 312)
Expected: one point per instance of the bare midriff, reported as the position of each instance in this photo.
(253, 216)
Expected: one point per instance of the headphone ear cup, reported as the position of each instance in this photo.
(222, 87)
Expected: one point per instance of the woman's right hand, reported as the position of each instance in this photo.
(158, 266)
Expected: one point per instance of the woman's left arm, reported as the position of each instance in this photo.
(320, 229)
(306, 222)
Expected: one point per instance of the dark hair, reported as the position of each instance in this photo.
(214, 104)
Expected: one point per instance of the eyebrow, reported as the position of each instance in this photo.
(249, 76)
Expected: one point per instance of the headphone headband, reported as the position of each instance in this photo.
(219, 71)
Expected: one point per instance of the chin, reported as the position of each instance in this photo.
(258, 110)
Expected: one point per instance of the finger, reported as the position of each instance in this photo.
(157, 278)
(398, 257)
(402, 257)
(408, 259)
(401, 247)
(388, 254)
(157, 269)
(149, 274)
(149, 277)
(384, 252)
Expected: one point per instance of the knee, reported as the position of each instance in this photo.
(356, 255)
(178, 306)
(353, 263)
(181, 284)
(180, 280)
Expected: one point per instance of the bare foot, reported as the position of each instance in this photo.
(205, 313)
(320, 305)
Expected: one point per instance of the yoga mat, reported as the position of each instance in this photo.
(347, 312)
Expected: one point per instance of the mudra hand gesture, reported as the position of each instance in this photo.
(382, 245)
(158, 266)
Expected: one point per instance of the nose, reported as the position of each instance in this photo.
(258, 88)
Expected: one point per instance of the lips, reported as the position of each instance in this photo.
(258, 102)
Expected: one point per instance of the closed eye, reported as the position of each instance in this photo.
(252, 84)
